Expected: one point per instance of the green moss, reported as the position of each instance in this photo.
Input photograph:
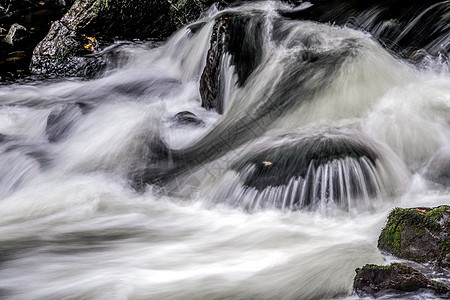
(445, 249)
(388, 267)
(437, 212)
(391, 235)
(400, 218)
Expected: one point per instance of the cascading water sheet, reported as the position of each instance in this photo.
(105, 194)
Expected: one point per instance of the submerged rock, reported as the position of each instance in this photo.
(187, 118)
(312, 170)
(418, 234)
(377, 280)
(239, 36)
(296, 157)
(156, 156)
(437, 168)
(60, 121)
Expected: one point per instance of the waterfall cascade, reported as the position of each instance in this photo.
(276, 188)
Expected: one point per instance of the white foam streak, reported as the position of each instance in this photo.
(71, 227)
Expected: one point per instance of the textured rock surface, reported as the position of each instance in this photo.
(419, 234)
(187, 118)
(377, 280)
(239, 36)
(63, 51)
(182, 12)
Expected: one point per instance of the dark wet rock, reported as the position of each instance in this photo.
(310, 170)
(60, 121)
(36, 17)
(240, 36)
(418, 234)
(10, 9)
(16, 34)
(66, 50)
(63, 52)
(183, 12)
(187, 118)
(294, 157)
(377, 280)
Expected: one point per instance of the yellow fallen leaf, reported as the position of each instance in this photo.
(89, 47)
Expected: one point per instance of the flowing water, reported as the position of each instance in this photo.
(281, 197)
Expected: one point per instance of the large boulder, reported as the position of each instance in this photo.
(377, 280)
(418, 234)
(68, 47)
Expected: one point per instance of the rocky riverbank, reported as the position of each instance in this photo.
(418, 234)
(71, 45)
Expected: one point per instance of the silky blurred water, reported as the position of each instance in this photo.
(73, 227)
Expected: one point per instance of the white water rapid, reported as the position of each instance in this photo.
(282, 196)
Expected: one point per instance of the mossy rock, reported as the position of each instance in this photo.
(378, 280)
(420, 234)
